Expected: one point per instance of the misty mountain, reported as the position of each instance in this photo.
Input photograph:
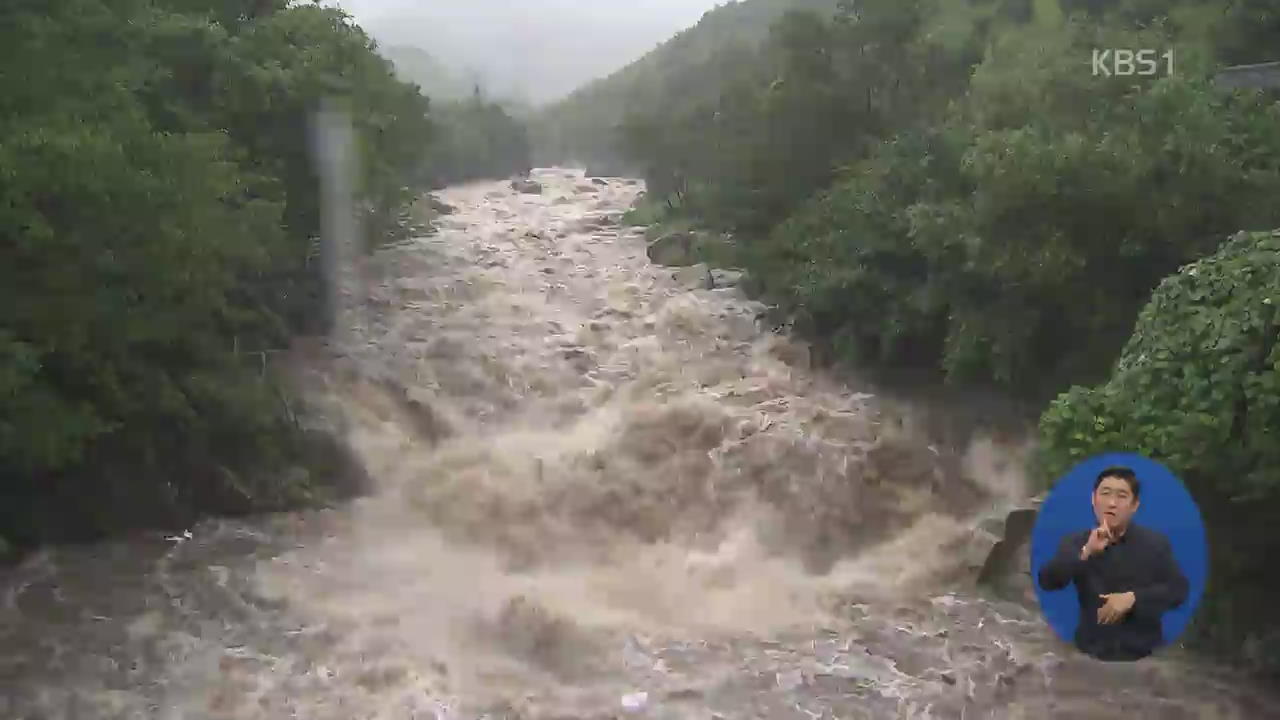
(416, 65)
(580, 128)
(535, 50)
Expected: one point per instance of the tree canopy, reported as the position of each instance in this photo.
(158, 233)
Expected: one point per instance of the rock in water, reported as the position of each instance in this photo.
(725, 278)
(439, 206)
(599, 181)
(694, 277)
(528, 187)
(1008, 564)
(593, 223)
(675, 249)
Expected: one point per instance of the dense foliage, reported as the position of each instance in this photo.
(476, 139)
(1017, 245)
(1198, 386)
(157, 232)
(949, 186)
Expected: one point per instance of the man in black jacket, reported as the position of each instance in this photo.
(1126, 576)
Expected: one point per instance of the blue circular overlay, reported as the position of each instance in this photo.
(1166, 505)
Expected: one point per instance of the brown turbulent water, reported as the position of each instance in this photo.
(602, 491)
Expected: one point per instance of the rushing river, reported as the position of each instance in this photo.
(601, 490)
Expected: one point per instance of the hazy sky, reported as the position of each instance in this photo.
(540, 49)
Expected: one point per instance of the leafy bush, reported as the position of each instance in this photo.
(1198, 387)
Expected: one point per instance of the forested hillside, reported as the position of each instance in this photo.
(583, 127)
(950, 186)
(418, 66)
(158, 243)
(477, 138)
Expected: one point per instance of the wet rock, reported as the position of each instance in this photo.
(595, 223)
(694, 277)
(439, 206)
(726, 278)
(1007, 567)
(675, 249)
(977, 549)
(686, 693)
(526, 187)
(599, 181)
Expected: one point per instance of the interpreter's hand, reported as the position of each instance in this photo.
(1098, 541)
(1114, 607)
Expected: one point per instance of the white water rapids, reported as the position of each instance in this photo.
(600, 491)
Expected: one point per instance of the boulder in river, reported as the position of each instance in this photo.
(721, 278)
(1006, 569)
(439, 206)
(599, 181)
(674, 249)
(527, 187)
(694, 277)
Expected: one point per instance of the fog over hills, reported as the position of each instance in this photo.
(534, 50)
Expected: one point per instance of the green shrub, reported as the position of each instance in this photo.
(1198, 388)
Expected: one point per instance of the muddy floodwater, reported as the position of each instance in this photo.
(601, 490)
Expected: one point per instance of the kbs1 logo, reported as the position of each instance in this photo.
(1121, 62)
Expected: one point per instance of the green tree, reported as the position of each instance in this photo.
(159, 209)
(478, 139)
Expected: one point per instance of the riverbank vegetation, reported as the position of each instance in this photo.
(158, 246)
